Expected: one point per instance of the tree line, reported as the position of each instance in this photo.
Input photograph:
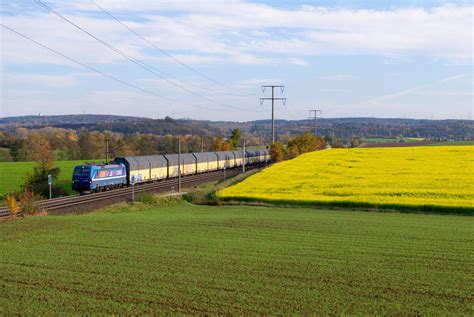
(291, 147)
(67, 144)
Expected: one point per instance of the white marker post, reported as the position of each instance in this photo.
(50, 182)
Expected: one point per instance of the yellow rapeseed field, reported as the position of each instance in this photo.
(405, 177)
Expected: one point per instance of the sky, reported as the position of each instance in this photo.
(208, 59)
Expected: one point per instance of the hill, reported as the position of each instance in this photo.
(344, 128)
(120, 124)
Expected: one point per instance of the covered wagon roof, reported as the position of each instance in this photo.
(251, 153)
(237, 154)
(157, 161)
(260, 152)
(186, 158)
(205, 157)
(225, 155)
(135, 162)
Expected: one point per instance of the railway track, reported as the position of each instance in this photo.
(86, 203)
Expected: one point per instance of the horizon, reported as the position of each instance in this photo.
(229, 121)
(369, 59)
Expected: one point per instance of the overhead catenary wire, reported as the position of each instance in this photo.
(139, 63)
(162, 51)
(101, 72)
(154, 71)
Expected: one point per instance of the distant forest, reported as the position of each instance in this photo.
(84, 136)
(339, 127)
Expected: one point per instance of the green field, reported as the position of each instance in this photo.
(13, 174)
(389, 140)
(461, 143)
(237, 260)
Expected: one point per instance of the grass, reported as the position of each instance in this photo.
(205, 194)
(427, 179)
(13, 175)
(387, 140)
(459, 143)
(237, 260)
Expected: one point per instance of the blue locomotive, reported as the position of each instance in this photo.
(98, 177)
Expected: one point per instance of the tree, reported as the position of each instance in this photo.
(276, 152)
(226, 146)
(218, 143)
(5, 155)
(91, 145)
(235, 138)
(147, 145)
(38, 181)
(221, 145)
(304, 143)
(36, 148)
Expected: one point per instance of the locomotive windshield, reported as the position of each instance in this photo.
(81, 171)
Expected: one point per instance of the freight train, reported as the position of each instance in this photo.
(127, 170)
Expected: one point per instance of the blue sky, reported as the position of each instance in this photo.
(403, 58)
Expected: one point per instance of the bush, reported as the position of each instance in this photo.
(38, 182)
(356, 143)
(276, 152)
(292, 151)
(147, 198)
(12, 205)
(202, 198)
(27, 201)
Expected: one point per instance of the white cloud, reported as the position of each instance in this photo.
(242, 32)
(297, 61)
(230, 34)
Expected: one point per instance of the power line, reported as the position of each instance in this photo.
(282, 88)
(315, 111)
(156, 47)
(139, 63)
(100, 72)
